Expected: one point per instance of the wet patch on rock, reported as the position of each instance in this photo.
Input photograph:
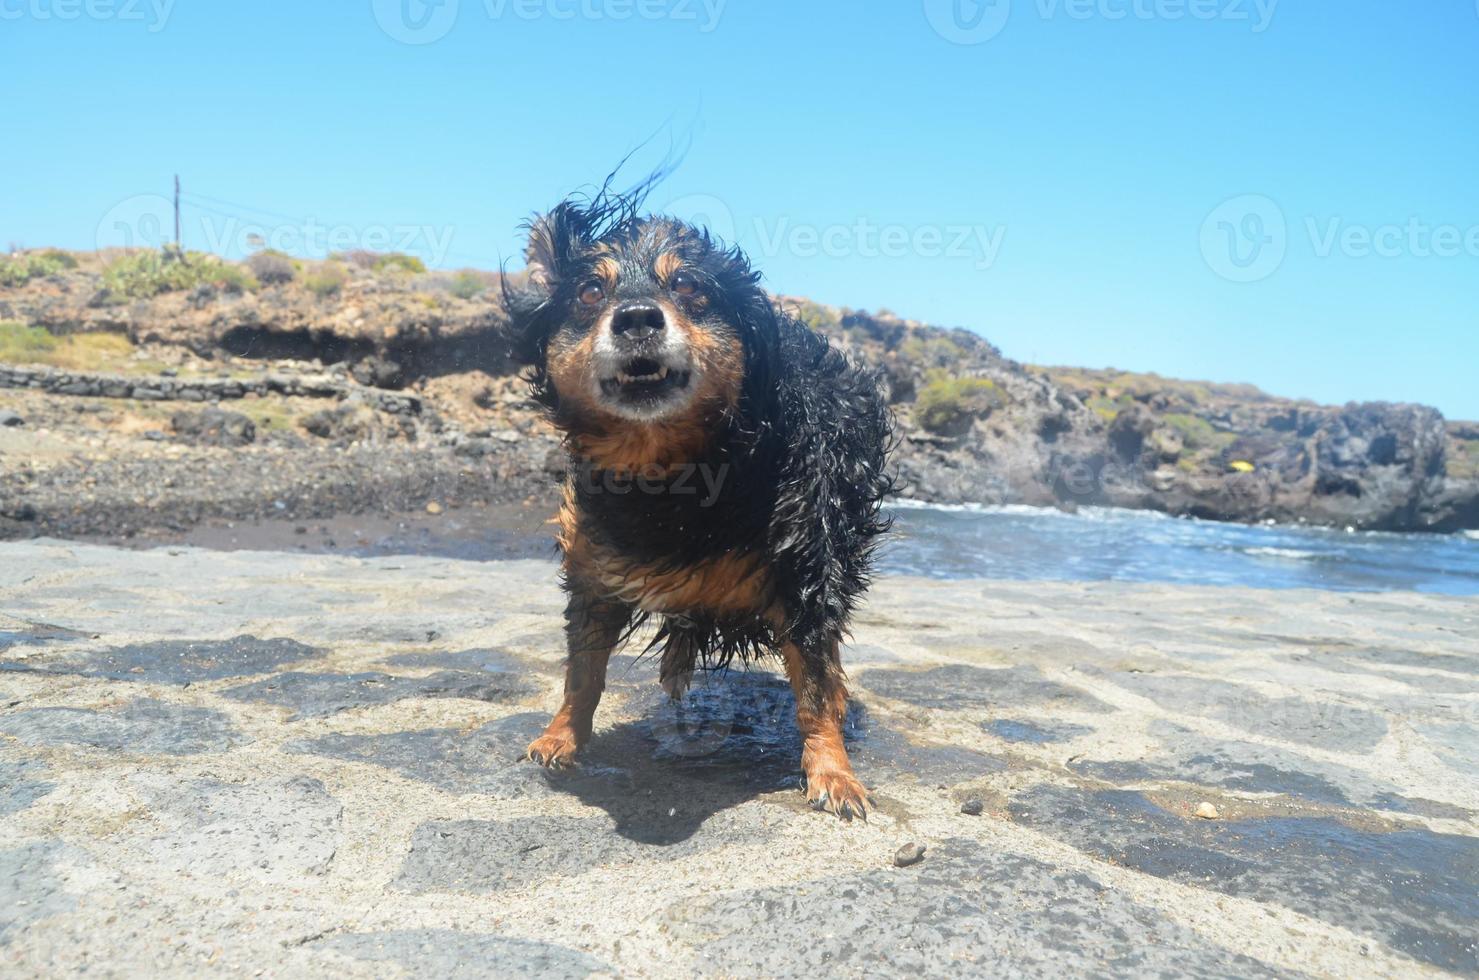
(1415, 890)
(20, 785)
(742, 727)
(1011, 730)
(179, 661)
(455, 955)
(486, 760)
(733, 738)
(277, 831)
(965, 910)
(141, 727)
(958, 687)
(321, 695)
(31, 886)
(1320, 724)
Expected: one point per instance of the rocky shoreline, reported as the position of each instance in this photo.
(214, 761)
(125, 415)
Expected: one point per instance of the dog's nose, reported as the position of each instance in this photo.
(637, 321)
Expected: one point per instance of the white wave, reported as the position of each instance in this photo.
(1033, 510)
(1290, 553)
(1473, 535)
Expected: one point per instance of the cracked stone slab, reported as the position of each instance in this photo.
(959, 687)
(281, 831)
(311, 695)
(141, 727)
(453, 955)
(1415, 889)
(965, 910)
(177, 661)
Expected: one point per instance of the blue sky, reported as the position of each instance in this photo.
(1241, 190)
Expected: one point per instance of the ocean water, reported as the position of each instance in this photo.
(1103, 544)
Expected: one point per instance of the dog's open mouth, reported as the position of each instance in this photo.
(644, 379)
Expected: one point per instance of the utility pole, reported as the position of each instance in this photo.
(177, 212)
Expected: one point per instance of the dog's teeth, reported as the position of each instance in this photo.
(662, 372)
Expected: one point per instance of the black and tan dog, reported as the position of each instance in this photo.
(727, 468)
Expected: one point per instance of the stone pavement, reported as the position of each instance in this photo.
(302, 765)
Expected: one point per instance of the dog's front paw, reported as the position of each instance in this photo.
(837, 791)
(554, 750)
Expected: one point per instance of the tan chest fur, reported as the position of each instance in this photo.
(730, 586)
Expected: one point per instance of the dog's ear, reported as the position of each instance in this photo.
(552, 240)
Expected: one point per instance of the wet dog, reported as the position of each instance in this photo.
(727, 468)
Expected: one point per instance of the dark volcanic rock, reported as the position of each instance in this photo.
(959, 687)
(487, 760)
(965, 911)
(1416, 889)
(454, 955)
(278, 830)
(144, 726)
(214, 427)
(31, 885)
(320, 695)
(20, 785)
(178, 661)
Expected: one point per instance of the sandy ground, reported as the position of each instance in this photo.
(281, 763)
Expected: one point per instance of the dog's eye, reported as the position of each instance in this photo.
(592, 293)
(684, 284)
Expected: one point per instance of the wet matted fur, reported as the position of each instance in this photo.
(727, 466)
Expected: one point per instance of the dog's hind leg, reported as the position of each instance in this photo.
(815, 672)
(593, 627)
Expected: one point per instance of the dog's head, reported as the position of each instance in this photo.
(632, 321)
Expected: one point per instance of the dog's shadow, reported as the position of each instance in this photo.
(661, 777)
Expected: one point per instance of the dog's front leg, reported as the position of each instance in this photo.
(592, 628)
(815, 672)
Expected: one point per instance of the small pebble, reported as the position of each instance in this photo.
(908, 854)
(1206, 811)
(433, 508)
(972, 807)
